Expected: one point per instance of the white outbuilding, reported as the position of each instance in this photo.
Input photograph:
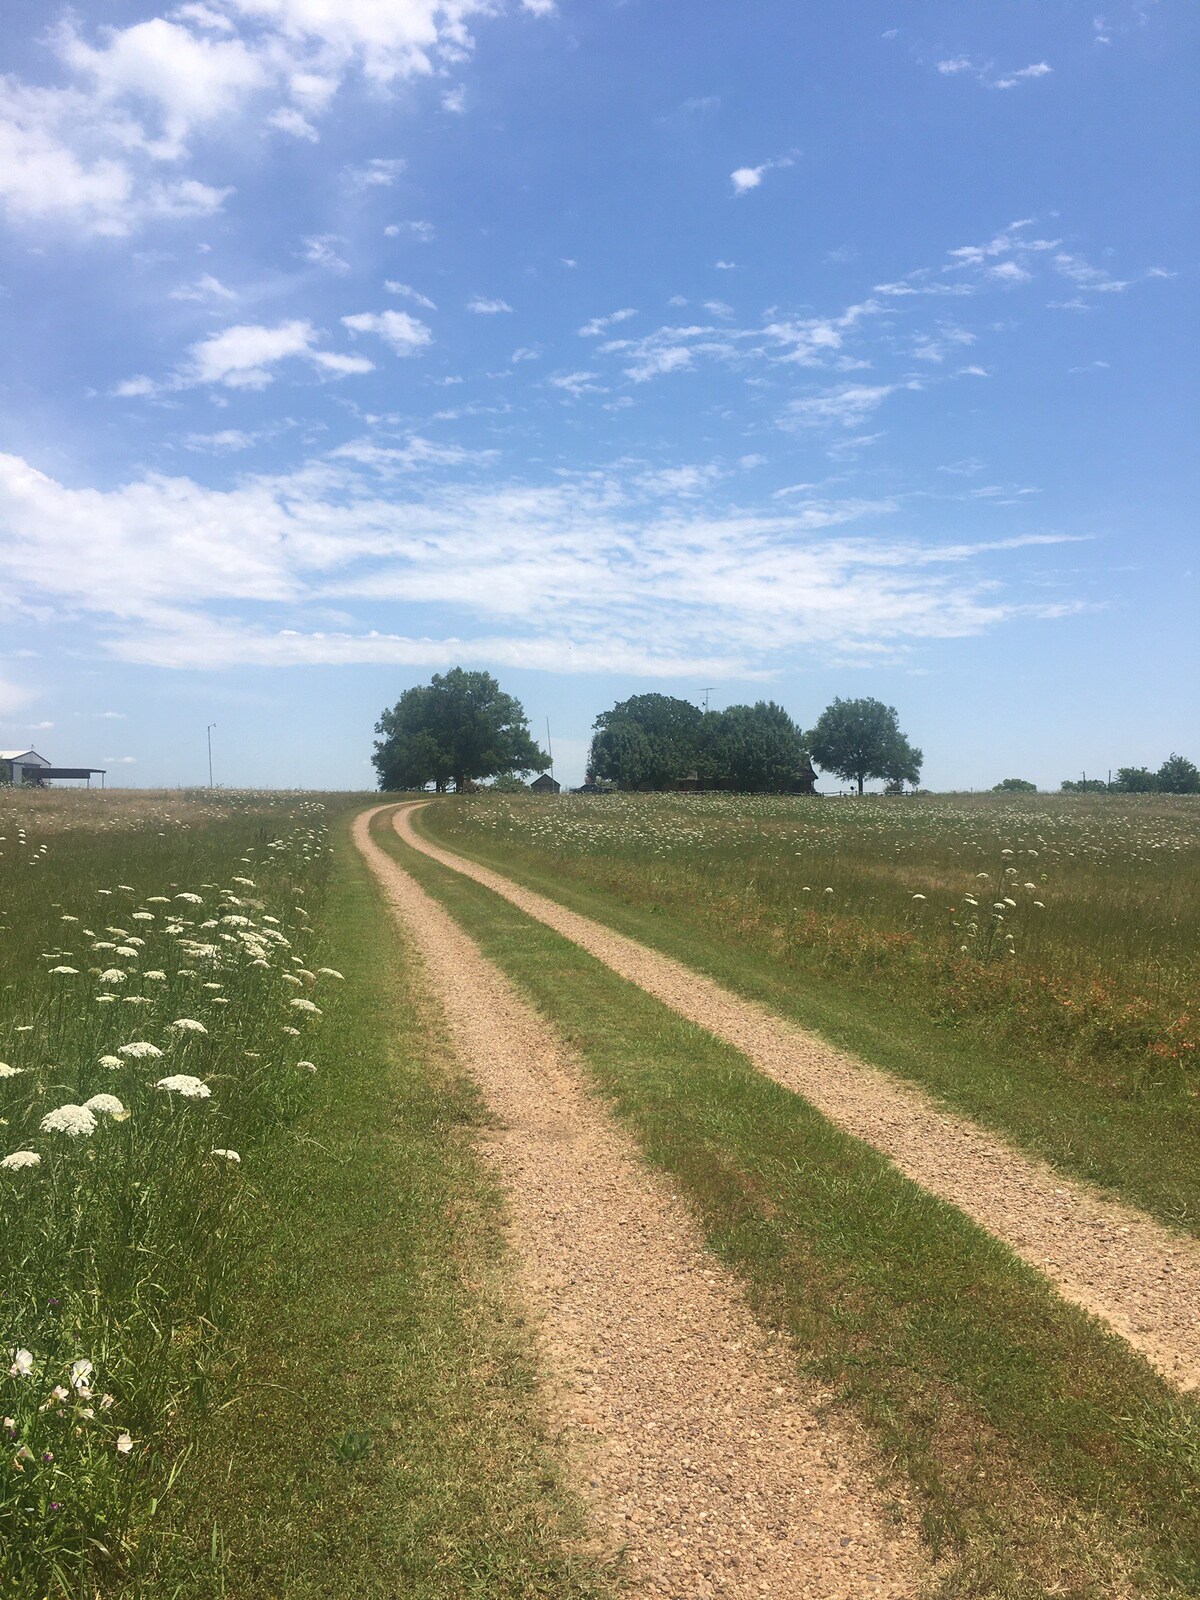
(21, 766)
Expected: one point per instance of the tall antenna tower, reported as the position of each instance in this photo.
(549, 747)
(706, 693)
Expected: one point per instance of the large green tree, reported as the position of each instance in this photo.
(758, 748)
(646, 742)
(1178, 775)
(861, 739)
(459, 727)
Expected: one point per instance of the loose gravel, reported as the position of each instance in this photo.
(706, 1460)
(1115, 1261)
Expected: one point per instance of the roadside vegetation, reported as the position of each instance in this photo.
(254, 1333)
(1040, 1455)
(1035, 961)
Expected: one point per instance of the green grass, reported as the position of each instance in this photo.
(384, 1434)
(715, 887)
(1039, 1453)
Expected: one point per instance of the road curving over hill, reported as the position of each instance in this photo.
(706, 1460)
(1113, 1260)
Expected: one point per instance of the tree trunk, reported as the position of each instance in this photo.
(860, 786)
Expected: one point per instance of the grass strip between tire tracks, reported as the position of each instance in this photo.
(385, 1437)
(1042, 1454)
(1141, 1149)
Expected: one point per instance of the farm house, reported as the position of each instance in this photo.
(546, 785)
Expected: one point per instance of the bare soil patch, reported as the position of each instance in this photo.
(707, 1460)
(1116, 1262)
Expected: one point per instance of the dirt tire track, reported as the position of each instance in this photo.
(708, 1460)
(1113, 1260)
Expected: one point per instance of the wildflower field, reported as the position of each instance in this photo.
(1040, 955)
(162, 1012)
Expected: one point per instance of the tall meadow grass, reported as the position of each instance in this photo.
(161, 1013)
(1067, 926)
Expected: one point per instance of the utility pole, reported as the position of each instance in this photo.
(549, 747)
(211, 726)
(706, 693)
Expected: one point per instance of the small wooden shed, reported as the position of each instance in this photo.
(546, 785)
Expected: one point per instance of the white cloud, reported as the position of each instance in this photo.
(205, 289)
(112, 716)
(160, 564)
(576, 383)
(746, 178)
(955, 64)
(598, 325)
(319, 250)
(240, 356)
(221, 442)
(455, 101)
(288, 120)
(487, 308)
(1009, 272)
(844, 407)
(340, 365)
(405, 334)
(718, 308)
(409, 293)
(67, 161)
(725, 266)
(676, 481)
(378, 173)
(90, 154)
(422, 232)
(526, 352)
(1037, 69)
(654, 363)
(540, 8)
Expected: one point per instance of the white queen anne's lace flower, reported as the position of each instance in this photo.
(20, 1159)
(10, 1072)
(113, 975)
(305, 1005)
(71, 972)
(184, 1084)
(106, 1105)
(138, 1049)
(331, 972)
(188, 1025)
(229, 1155)
(111, 1062)
(75, 1121)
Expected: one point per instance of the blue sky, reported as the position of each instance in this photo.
(771, 350)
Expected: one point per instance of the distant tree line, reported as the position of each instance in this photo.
(1177, 775)
(655, 741)
(462, 727)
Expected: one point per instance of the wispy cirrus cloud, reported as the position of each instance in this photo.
(159, 565)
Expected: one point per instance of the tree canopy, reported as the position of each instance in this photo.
(459, 727)
(861, 739)
(1014, 786)
(652, 741)
(646, 742)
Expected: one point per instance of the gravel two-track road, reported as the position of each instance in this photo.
(705, 1459)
